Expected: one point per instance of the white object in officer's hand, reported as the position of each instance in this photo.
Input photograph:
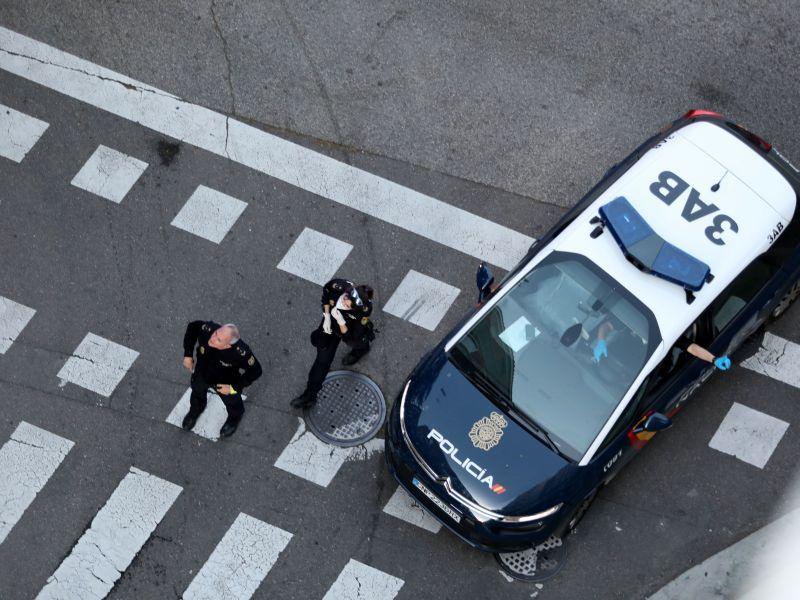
(338, 316)
(326, 323)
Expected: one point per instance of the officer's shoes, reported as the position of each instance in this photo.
(352, 358)
(228, 429)
(302, 401)
(189, 421)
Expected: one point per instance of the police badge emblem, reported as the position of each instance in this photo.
(486, 432)
(202, 349)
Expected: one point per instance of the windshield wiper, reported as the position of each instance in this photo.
(490, 385)
(543, 435)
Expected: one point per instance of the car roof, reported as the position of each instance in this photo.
(751, 192)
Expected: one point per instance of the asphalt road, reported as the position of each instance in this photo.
(509, 113)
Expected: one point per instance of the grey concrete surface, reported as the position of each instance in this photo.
(533, 98)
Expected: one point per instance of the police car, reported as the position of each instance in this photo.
(507, 429)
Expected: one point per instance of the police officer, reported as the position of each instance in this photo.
(346, 310)
(224, 363)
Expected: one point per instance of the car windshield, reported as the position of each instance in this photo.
(563, 346)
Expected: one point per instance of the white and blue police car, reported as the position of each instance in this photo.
(507, 429)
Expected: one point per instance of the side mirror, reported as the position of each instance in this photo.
(655, 422)
(484, 280)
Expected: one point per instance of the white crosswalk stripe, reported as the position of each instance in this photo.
(27, 461)
(18, 133)
(261, 151)
(749, 435)
(116, 535)
(777, 358)
(98, 364)
(312, 459)
(13, 319)
(240, 562)
(209, 214)
(210, 420)
(315, 257)
(421, 300)
(404, 507)
(109, 174)
(358, 581)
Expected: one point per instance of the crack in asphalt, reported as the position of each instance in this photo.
(226, 55)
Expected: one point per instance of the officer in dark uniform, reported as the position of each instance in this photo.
(224, 363)
(346, 310)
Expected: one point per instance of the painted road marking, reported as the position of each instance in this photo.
(18, 133)
(421, 300)
(210, 420)
(749, 435)
(312, 459)
(13, 319)
(109, 173)
(403, 506)
(358, 581)
(98, 364)
(240, 562)
(209, 214)
(116, 535)
(777, 358)
(27, 461)
(259, 150)
(315, 257)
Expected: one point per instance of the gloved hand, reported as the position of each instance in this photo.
(723, 363)
(336, 314)
(600, 350)
(326, 323)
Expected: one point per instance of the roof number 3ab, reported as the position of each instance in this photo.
(669, 187)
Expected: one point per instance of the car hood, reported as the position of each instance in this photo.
(486, 454)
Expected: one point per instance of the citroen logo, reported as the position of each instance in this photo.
(486, 432)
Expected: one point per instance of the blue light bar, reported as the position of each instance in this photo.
(649, 251)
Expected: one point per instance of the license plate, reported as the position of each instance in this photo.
(433, 498)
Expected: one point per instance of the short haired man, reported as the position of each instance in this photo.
(224, 364)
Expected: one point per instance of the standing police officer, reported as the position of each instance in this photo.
(350, 307)
(224, 363)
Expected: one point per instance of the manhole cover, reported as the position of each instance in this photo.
(349, 410)
(536, 564)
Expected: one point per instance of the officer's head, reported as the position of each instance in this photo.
(223, 337)
(351, 298)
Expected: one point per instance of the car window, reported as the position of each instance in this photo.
(743, 289)
(626, 419)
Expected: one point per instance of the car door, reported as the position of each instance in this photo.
(744, 305)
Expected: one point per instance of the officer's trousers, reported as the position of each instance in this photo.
(233, 402)
(326, 351)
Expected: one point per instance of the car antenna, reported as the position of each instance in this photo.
(715, 187)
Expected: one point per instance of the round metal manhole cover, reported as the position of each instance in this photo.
(349, 410)
(536, 564)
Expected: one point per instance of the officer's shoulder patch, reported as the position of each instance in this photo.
(336, 286)
(206, 327)
(241, 348)
(252, 360)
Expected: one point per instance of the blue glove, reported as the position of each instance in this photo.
(600, 350)
(723, 363)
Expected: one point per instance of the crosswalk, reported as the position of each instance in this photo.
(237, 566)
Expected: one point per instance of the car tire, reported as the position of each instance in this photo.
(786, 301)
(580, 511)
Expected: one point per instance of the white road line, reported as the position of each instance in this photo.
(98, 364)
(240, 562)
(18, 133)
(312, 459)
(279, 158)
(209, 422)
(315, 257)
(421, 300)
(358, 581)
(116, 535)
(13, 319)
(748, 434)
(404, 507)
(109, 173)
(27, 461)
(209, 214)
(777, 358)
